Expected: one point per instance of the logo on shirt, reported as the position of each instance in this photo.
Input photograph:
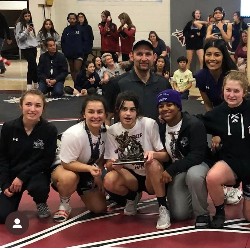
(38, 144)
(14, 139)
(184, 142)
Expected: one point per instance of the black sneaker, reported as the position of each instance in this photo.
(218, 221)
(2, 71)
(43, 210)
(202, 221)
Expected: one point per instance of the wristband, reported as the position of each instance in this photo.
(95, 165)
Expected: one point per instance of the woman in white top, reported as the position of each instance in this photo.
(138, 137)
(81, 155)
(26, 41)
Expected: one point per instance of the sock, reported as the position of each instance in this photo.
(121, 200)
(220, 210)
(65, 202)
(162, 201)
(130, 195)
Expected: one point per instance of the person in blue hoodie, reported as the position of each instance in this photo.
(72, 43)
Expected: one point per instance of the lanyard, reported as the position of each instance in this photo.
(95, 152)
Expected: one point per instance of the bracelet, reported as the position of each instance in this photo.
(95, 165)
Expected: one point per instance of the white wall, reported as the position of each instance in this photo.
(146, 16)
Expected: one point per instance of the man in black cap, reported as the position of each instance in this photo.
(4, 32)
(141, 80)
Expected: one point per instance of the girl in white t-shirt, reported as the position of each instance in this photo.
(135, 139)
(81, 155)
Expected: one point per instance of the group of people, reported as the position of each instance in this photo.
(233, 34)
(175, 161)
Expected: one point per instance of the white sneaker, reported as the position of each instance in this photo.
(164, 218)
(232, 195)
(63, 213)
(131, 206)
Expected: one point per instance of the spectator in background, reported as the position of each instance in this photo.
(241, 52)
(86, 79)
(182, 78)
(46, 31)
(109, 35)
(4, 33)
(195, 32)
(52, 70)
(238, 26)
(72, 43)
(27, 43)
(110, 68)
(88, 35)
(98, 64)
(219, 29)
(160, 48)
(127, 35)
(161, 68)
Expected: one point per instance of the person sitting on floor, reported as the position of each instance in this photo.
(185, 139)
(81, 155)
(27, 150)
(182, 78)
(128, 179)
(86, 79)
(52, 70)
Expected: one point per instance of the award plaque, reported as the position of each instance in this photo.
(130, 151)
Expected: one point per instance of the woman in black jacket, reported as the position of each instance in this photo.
(185, 140)
(230, 122)
(27, 150)
(85, 80)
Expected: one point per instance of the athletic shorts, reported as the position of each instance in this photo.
(141, 181)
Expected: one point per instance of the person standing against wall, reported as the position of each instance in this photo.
(88, 35)
(195, 32)
(109, 35)
(72, 43)
(27, 42)
(127, 35)
(238, 27)
(4, 32)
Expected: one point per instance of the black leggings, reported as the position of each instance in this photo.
(37, 187)
(30, 55)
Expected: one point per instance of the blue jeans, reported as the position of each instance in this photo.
(56, 90)
(1, 46)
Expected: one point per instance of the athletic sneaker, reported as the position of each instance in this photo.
(62, 214)
(232, 195)
(131, 206)
(42, 210)
(164, 218)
